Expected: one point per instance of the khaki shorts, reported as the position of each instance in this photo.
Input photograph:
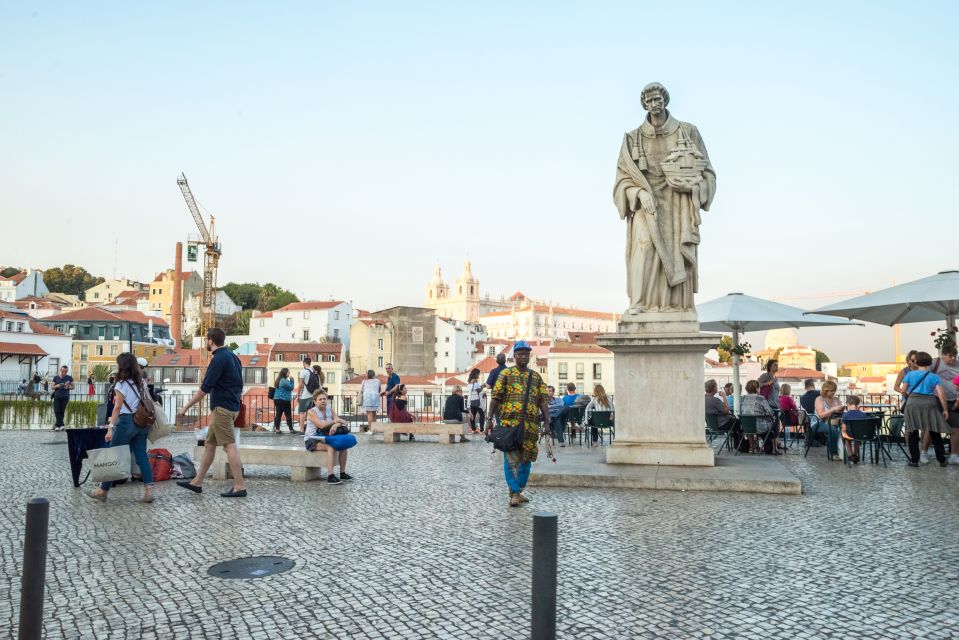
(221, 427)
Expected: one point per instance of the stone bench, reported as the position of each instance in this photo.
(304, 465)
(393, 431)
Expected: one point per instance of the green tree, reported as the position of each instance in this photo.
(238, 323)
(820, 358)
(246, 294)
(100, 372)
(252, 295)
(723, 348)
(69, 279)
(10, 271)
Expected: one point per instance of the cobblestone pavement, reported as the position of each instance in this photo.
(422, 545)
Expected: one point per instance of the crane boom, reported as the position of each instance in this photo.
(191, 203)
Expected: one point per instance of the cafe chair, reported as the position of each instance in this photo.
(601, 420)
(714, 431)
(865, 431)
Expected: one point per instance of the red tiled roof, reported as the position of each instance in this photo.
(799, 373)
(268, 314)
(559, 311)
(485, 365)
(43, 330)
(541, 362)
(868, 379)
(583, 337)
(519, 295)
(18, 277)
(309, 348)
(579, 348)
(358, 380)
(248, 361)
(311, 306)
(137, 316)
(264, 348)
(455, 381)
(21, 349)
(183, 358)
(95, 314)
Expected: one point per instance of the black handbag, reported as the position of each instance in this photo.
(511, 438)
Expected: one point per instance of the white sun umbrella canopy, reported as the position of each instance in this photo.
(738, 313)
(930, 299)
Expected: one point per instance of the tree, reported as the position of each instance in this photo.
(233, 346)
(820, 358)
(238, 323)
(329, 340)
(100, 372)
(10, 271)
(252, 295)
(723, 348)
(69, 279)
(246, 294)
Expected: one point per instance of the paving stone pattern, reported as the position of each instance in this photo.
(422, 545)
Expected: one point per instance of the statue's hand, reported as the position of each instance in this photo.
(649, 204)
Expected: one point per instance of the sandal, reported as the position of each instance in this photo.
(98, 494)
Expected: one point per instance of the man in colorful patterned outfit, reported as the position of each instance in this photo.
(507, 406)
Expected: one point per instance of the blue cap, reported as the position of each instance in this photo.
(521, 345)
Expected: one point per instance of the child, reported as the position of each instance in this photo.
(852, 412)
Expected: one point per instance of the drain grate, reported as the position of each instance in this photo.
(55, 442)
(253, 567)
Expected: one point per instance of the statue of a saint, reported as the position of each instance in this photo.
(663, 179)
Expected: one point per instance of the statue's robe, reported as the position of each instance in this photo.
(661, 248)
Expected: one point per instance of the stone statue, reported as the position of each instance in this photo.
(663, 179)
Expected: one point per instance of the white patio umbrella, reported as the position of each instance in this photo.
(925, 300)
(737, 312)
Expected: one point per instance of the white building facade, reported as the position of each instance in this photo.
(531, 320)
(456, 344)
(27, 347)
(585, 365)
(304, 322)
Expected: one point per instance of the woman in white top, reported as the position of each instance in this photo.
(599, 402)
(370, 398)
(475, 393)
(130, 390)
(321, 420)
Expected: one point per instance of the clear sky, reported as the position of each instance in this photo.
(345, 148)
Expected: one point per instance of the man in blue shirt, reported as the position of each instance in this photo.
(392, 381)
(224, 384)
(557, 414)
(494, 374)
(571, 395)
(852, 412)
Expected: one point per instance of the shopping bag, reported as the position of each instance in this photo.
(161, 427)
(110, 463)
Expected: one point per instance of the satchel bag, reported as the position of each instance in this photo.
(161, 428)
(145, 415)
(511, 438)
(110, 463)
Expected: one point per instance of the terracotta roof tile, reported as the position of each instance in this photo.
(310, 306)
(21, 349)
(799, 373)
(579, 348)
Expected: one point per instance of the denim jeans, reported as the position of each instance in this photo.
(515, 470)
(832, 434)
(127, 433)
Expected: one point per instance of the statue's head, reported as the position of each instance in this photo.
(654, 97)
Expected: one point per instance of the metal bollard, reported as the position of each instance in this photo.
(544, 576)
(34, 569)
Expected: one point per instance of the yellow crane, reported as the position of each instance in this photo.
(211, 256)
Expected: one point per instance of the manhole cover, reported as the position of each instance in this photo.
(247, 568)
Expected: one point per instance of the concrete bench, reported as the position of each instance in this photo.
(304, 465)
(393, 431)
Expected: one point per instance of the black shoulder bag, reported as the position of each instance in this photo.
(511, 438)
(906, 399)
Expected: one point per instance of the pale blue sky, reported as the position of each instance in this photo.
(347, 147)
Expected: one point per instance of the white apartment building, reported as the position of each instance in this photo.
(585, 365)
(304, 322)
(532, 320)
(456, 342)
(28, 347)
(107, 290)
(23, 284)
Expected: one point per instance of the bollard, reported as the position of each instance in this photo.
(544, 576)
(34, 569)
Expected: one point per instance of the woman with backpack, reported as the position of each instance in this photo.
(130, 392)
(283, 400)
(322, 422)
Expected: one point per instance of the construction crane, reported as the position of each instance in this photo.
(211, 256)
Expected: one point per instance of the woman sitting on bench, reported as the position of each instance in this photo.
(322, 421)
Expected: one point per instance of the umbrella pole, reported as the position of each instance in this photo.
(736, 386)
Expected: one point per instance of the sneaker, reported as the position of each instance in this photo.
(944, 463)
(147, 496)
(514, 500)
(332, 479)
(345, 476)
(98, 494)
(562, 444)
(925, 458)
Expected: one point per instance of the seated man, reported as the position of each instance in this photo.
(571, 395)
(852, 412)
(454, 412)
(557, 415)
(716, 406)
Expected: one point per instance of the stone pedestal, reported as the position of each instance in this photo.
(659, 390)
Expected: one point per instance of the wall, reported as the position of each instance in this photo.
(586, 360)
(365, 350)
(414, 332)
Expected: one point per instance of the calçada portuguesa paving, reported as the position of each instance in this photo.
(422, 545)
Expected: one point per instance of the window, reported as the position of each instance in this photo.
(491, 351)
(379, 344)
(336, 315)
(306, 335)
(446, 354)
(597, 371)
(262, 323)
(302, 357)
(279, 357)
(331, 377)
(83, 370)
(101, 333)
(58, 327)
(379, 362)
(9, 326)
(447, 339)
(84, 351)
(19, 327)
(73, 330)
(113, 349)
(331, 358)
(96, 295)
(563, 370)
(178, 374)
(580, 370)
(336, 334)
(116, 333)
(99, 349)
(289, 322)
(85, 330)
(306, 315)
(54, 365)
